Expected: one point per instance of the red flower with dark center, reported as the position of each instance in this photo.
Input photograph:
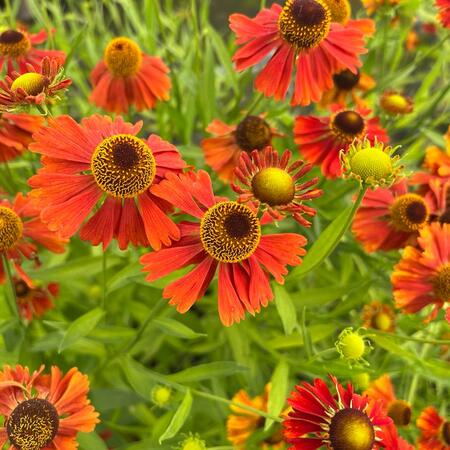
(435, 430)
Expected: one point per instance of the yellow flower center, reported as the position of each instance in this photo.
(253, 133)
(400, 412)
(32, 425)
(273, 186)
(14, 43)
(340, 10)
(351, 345)
(347, 125)
(441, 283)
(371, 162)
(409, 212)
(230, 232)
(346, 80)
(382, 321)
(123, 57)
(32, 83)
(304, 23)
(351, 429)
(10, 228)
(396, 104)
(123, 166)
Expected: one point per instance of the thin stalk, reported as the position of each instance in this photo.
(104, 266)
(255, 103)
(409, 338)
(11, 296)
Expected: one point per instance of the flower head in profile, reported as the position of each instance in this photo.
(320, 139)
(224, 236)
(305, 34)
(44, 411)
(338, 420)
(96, 177)
(444, 12)
(126, 77)
(34, 87)
(22, 231)
(16, 132)
(398, 410)
(277, 186)
(434, 430)
(223, 150)
(378, 316)
(422, 277)
(395, 103)
(17, 50)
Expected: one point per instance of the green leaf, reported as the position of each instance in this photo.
(80, 328)
(179, 417)
(175, 328)
(207, 371)
(278, 389)
(285, 307)
(91, 441)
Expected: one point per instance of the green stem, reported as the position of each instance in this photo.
(104, 265)
(11, 296)
(255, 103)
(409, 338)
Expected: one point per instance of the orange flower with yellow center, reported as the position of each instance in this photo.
(379, 316)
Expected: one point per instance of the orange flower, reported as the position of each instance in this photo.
(34, 87)
(126, 76)
(275, 185)
(304, 33)
(392, 441)
(379, 316)
(21, 230)
(17, 50)
(222, 152)
(422, 277)
(226, 236)
(101, 163)
(435, 430)
(395, 103)
(398, 410)
(320, 139)
(15, 133)
(444, 12)
(44, 411)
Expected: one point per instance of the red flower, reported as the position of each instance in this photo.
(15, 133)
(435, 430)
(17, 50)
(44, 411)
(422, 276)
(392, 441)
(275, 184)
(301, 33)
(344, 420)
(222, 152)
(320, 139)
(227, 237)
(101, 163)
(126, 76)
(21, 230)
(444, 12)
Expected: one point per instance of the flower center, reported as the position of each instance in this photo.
(32, 83)
(304, 23)
(351, 429)
(273, 186)
(400, 412)
(21, 288)
(446, 432)
(371, 162)
(347, 125)
(409, 212)
(123, 166)
(14, 43)
(230, 232)
(123, 57)
(10, 228)
(441, 283)
(33, 424)
(382, 321)
(340, 10)
(253, 133)
(352, 346)
(346, 80)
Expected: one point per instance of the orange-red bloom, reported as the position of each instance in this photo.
(435, 430)
(379, 316)
(223, 150)
(100, 170)
(320, 139)
(277, 186)
(322, 418)
(17, 49)
(44, 412)
(126, 76)
(392, 441)
(398, 410)
(21, 231)
(226, 237)
(422, 277)
(444, 12)
(15, 133)
(303, 33)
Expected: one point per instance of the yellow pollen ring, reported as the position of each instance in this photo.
(441, 283)
(32, 83)
(123, 57)
(273, 186)
(409, 212)
(11, 228)
(14, 43)
(340, 10)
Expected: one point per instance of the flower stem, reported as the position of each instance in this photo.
(104, 266)
(11, 295)
(409, 338)
(255, 103)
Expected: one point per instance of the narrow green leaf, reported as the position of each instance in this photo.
(179, 417)
(91, 441)
(175, 328)
(285, 307)
(278, 390)
(207, 371)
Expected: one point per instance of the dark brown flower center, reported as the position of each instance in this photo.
(409, 212)
(349, 123)
(14, 43)
(125, 155)
(253, 133)
(32, 425)
(346, 80)
(446, 432)
(308, 12)
(400, 412)
(11, 37)
(22, 288)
